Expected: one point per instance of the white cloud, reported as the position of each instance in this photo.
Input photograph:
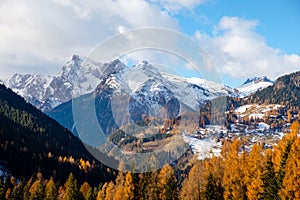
(238, 50)
(39, 36)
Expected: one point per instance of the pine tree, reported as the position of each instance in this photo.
(215, 166)
(270, 182)
(136, 180)
(211, 189)
(37, 191)
(167, 183)
(254, 188)
(51, 191)
(71, 192)
(128, 187)
(291, 182)
(282, 149)
(295, 126)
(286, 144)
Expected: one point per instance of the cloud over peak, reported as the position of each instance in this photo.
(239, 51)
(41, 34)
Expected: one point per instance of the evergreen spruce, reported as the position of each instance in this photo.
(270, 182)
(285, 155)
(211, 190)
(291, 182)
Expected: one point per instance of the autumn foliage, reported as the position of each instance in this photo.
(237, 174)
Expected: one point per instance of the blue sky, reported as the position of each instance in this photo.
(279, 20)
(243, 38)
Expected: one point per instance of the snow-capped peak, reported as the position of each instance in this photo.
(254, 84)
(30, 86)
(147, 68)
(258, 79)
(80, 75)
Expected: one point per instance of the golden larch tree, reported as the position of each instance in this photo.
(110, 191)
(167, 183)
(193, 186)
(253, 171)
(233, 177)
(128, 187)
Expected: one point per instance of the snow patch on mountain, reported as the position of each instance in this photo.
(145, 79)
(256, 111)
(31, 87)
(254, 84)
(205, 148)
(144, 82)
(196, 91)
(77, 77)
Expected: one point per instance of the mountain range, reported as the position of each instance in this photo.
(150, 92)
(81, 75)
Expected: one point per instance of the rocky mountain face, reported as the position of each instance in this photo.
(82, 75)
(77, 77)
(141, 92)
(30, 87)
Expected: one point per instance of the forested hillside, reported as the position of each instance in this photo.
(286, 91)
(32, 142)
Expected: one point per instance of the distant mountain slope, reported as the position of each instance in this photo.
(30, 141)
(286, 91)
(251, 85)
(276, 105)
(31, 87)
